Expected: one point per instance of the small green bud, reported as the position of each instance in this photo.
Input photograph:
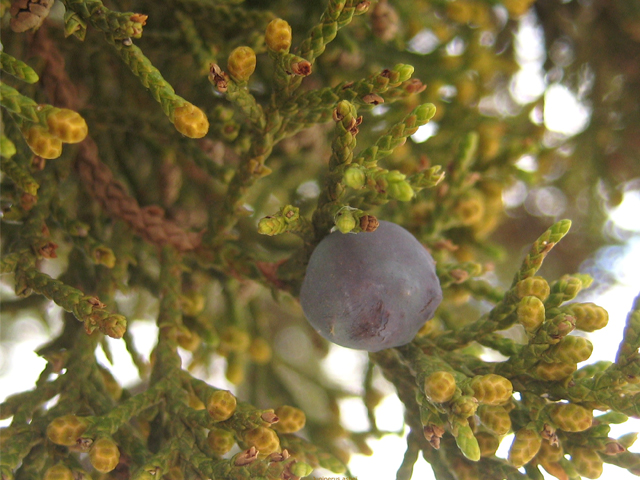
(533, 286)
(495, 418)
(559, 327)
(571, 417)
(440, 387)
(425, 112)
(114, 325)
(7, 148)
(525, 446)
(345, 220)
(395, 176)
(104, 256)
(354, 177)
(565, 289)
(301, 469)
(464, 406)
(278, 35)
(398, 187)
(241, 63)
(491, 389)
(530, 313)
(404, 72)
(290, 213)
(272, 225)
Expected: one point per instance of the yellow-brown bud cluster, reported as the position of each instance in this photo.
(491, 389)
(220, 441)
(533, 286)
(440, 387)
(190, 121)
(264, 439)
(104, 455)
(278, 35)
(587, 462)
(530, 313)
(43, 143)
(495, 418)
(241, 64)
(66, 430)
(554, 371)
(221, 404)
(525, 446)
(58, 472)
(571, 349)
(488, 443)
(571, 417)
(63, 126)
(67, 125)
(291, 419)
(589, 317)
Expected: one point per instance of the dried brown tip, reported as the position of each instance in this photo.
(48, 250)
(270, 417)
(278, 456)
(549, 434)
(302, 68)
(373, 99)
(38, 163)
(433, 434)
(353, 127)
(369, 223)
(218, 77)
(95, 302)
(27, 201)
(28, 14)
(139, 18)
(414, 86)
(363, 6)
(459, 275)
(246, 457)
(337, 116)
(613, 448)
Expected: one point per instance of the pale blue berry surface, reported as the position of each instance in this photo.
(370, 290)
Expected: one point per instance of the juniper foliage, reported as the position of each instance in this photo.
(180, 160)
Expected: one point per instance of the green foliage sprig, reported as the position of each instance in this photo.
(200, 240)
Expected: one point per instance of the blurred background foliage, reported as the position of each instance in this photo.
(497, 71)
